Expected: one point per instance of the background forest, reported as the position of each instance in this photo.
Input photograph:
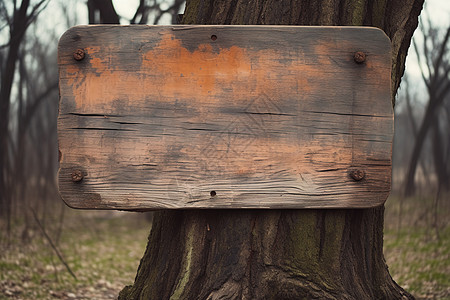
(48, 250)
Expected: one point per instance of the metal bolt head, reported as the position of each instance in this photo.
(77, 176)
(79, 54)
(357, 174)
(359, 57)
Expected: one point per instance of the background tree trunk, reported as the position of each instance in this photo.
(18, 26)
(102, 12)
(278, 254)
(438, 88)
(18, 17)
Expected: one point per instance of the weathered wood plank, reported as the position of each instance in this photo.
(224, 117)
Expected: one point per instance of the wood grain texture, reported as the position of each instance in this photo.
(170, 117)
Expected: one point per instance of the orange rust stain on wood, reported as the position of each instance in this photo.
(201, 71)
(98, 64)
(201, 75)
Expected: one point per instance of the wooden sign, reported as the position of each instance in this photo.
(155, 117)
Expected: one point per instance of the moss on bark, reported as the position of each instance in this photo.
(186, 265)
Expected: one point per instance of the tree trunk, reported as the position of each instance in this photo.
(430, 115)
(277, 254)
(437, 96)
(269, 254)
(18, 26)
(440, 165)
(105, 10)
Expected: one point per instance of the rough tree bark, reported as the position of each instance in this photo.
(278, 254)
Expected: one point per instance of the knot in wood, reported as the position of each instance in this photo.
(77, 176)
(79, 54)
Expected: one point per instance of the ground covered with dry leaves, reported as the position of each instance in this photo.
(103, 250)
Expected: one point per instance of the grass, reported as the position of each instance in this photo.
(103, 249)
(417, 245)
(420, 263)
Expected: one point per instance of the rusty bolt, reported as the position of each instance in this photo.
(359, 57)
(77, 176)
(79, 54)
(357, 174)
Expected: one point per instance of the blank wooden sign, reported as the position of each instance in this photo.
(156, 117)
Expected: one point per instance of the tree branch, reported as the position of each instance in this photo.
(419, 60)
(58, 253)
(441, 52)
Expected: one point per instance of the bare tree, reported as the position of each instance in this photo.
(18, 18)
(434, 56)
(28, 103)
